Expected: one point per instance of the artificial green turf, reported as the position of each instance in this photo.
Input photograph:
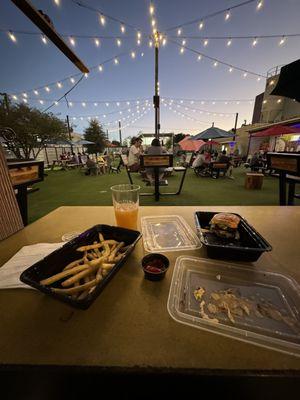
(66, 188)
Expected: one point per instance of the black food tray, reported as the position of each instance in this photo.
(56, 261)
(249, 247)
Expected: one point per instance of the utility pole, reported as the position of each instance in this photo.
(120, 133)
(107, 134)
(235, 124)
(69, 131)
(156, 99)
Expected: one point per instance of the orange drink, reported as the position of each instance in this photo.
(126, 205)
(126, 215)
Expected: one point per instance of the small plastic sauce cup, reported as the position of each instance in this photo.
(155, 266)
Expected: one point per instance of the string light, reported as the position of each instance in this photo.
(100, 68)
(179, 31)
(86, 75)
(123, 30)
(181, 50)
(95, 104)
(205, 43)
(254, 43)
(153, 22)
(36, 92)
(59, 85)
(245, 75)
(215, 64)
(183, 42)
(102, 19)
(116, 61)
(12, 37)
(97, 42)
(150, 43)
(25, 95)
(41, 101)
(199, 57)
(164, 41)
(47, 89)
(139, 35)
(230, 69)
(132, 54)
(70, 104)
(258, 79)
(119, 42)
(259, 4)
(138, 42)
(201, 25)
(57, 2)
(151, 9)
(44, 40)
(229, 42)
(72, 80)
(279, 101)
(227, 15)
(72, 41)
(83, 104)
(282, 41)
(56, 103)
(25, 100)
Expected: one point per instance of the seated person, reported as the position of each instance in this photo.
(134, 154)
(102, 164)
(91, 167)
(224, 159)
(256, 162)
(199, 161)
(154, 150)
(74, 159)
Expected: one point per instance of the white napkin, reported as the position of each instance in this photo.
(28, 255)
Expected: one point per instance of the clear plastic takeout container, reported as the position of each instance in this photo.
(260, 287)
(165, 233)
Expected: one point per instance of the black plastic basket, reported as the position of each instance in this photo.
(249, 247)
(56, 261)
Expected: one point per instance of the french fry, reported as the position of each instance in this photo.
(114, 252)
(101, 238)
(75, 289)
(73, 264)
(76, 278)
(63, 274)
(90, 247)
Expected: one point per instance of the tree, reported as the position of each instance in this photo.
(127, 141)
(178, 137)
(115, 142)
(95, 133)
(168, 144)
(33, 129)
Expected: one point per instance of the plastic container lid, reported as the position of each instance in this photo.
(165, 233)
(276, 292)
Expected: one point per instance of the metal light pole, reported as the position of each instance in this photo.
(120, 133)
(235, 124)
(156, 89)
(69, 132)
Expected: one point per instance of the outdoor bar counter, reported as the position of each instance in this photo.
(128, 327)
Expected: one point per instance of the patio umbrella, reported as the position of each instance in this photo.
(83, 142)
(288, 84)
(276, 130)
(189, 144)
(213, 133)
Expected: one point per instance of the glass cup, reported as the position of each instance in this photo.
(126, 205)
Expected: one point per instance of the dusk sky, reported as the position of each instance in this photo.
(195, 88)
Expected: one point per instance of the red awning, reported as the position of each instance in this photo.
(276, 130)
(188, 144)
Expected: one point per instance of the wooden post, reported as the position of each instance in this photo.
(254, 180)
(120, 133)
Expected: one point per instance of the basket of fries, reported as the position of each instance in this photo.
(77, 272)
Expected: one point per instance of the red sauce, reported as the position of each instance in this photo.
(155, 266)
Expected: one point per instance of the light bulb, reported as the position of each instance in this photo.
(151, 9)
(229, 42)
(116, 61)
(118, 42)
(205, 43)
(254, 43)
(25, 95)
(36, 92)
(123, 30)
(15, 97)
(72, 41)
(215, 63)
(70, 104)
(183, 42)
(245, 75)
(72, 80)
(95, 104)
(282, 41)
(179, 31)
(201, 25)
(227, 15)
(100, 68)
(259, 4)
(56, 103)
(164, 41)
(59, 85)
(41, 101)
(83, 104)
(47, 89)
(97, 42)
(139, 35)
(102, 19)
(132, 54)
(150, 43)
(199, 57)
(181, 50)
(12, 37)
(230, 69)
(44, 40)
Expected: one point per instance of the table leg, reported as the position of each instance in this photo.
(291, 193)
(22, 202)
(282, 188)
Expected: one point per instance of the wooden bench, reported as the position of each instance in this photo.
(254, 180)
